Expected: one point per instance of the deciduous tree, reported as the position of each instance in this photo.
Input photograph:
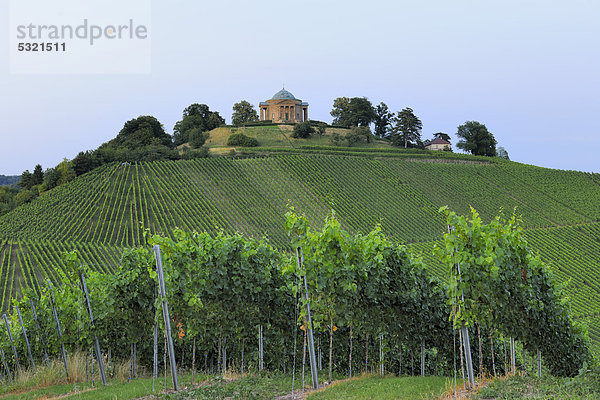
(303, 130)
(195, 116)
(355, 111)
(383, 120)
(476, 139)
(141, 131)
(243, 112)
(502, 153)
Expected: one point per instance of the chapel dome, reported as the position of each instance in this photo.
(283, 95)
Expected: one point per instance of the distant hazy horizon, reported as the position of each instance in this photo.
(528, 70)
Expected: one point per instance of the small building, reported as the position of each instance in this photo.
(438, 144)
(284, 107)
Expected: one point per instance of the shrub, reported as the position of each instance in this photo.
(197, 138)
(359, 134)
(202, 152)
(239, 139)
(336, 139)
(303, 130)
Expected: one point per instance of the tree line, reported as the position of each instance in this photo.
(403, 128)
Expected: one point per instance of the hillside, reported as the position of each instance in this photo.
(107, 209)
(7, 180)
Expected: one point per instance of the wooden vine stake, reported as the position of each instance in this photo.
(367, 352)
(513, 357)
(399, 356)
(309, 330)
(492, 346)
(155, 358)
(260, 348)
(194, 360)
(422, 358)
(320, 355)
(381, 370)
(167, 318)
(480, 352)
(350, 355)
(96, 343)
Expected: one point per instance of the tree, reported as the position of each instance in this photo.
(243, 112)
(359, 134)
(442, 135)
(303, 130)
(51, 178)
(141, 131)
(476, 139)
(26, 180)
(38, 175)
(239, 139)
(66, 171)
(502, 153)
(356, 111)
(197, 138)
(195, 116)
(85, 162)
(407, 129)
(383, 120)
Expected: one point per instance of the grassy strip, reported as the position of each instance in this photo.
(115, 389)
(376, 387)
(586, 386)
(259, 386)
(255, 386)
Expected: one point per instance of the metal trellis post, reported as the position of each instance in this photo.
(37, 324)
(12, 342)
(309, 330)
(62, 345)
(96, 343)
(26, 338)
(167, 318)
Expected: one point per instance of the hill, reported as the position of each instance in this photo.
(9, 180)
(103, 211)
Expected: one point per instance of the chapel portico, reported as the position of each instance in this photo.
(284, 107)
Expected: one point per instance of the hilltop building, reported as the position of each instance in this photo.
(284, 107)
(438, 144)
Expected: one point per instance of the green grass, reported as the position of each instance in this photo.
(263, 386)
(254, 386)
(383, 388)
(548, 387)
(267, 135)
(115, 389)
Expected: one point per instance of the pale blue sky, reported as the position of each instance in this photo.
(529, 70)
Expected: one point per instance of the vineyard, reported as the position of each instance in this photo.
(115, 206)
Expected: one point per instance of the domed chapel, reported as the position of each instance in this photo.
(283, 107)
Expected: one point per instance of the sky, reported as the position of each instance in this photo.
(528, 70)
